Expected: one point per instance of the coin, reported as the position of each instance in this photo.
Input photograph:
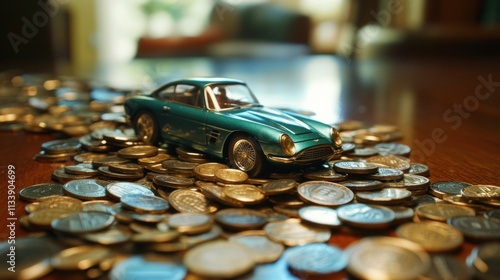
(492, 214)
(327, 174)
(481, 192)
(393, 149)
(62, 177)
(126, 168)
(106, 161)
(366, 216)
(419, 169)
(80, 169)
(118, 189)
(189, 201)
(158, 159)
(149, 267)
(434, 237)
(320, 216)
(477, 228)
(88, 189)
(40, 191)
(410, 182)
(447, 267)
(105, 172)
(362, 185)
(80, 257)
(386, 196)
(214, 192)
(248, 194)
(442, 212)
(355, 167)
(316, 259)
(44, 217)
(230, 176)
(65, 203)
(292, 232)
(156, 236)
(172, 181)
(82, 222)
(240, 218)
(144, 203)
(363, 152)
(386, 174)
(61, 146)
(219, 259)
(440, 188)
(263, 249)
(206, 171)
(375, 258)
(279, 186)
(391, 161)
(190, 223)
(179, 166)
(325, 193)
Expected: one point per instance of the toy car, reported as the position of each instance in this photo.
(222, 118)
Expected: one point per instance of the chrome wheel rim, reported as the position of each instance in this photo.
(145, 128)
(244, 155)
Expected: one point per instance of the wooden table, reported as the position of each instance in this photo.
(448, 110)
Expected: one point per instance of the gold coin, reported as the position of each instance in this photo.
(80, 258)
(206, 171)
(481, 192)
(43, 218)
(387, 258)
(66, 203)
(156, 236)
(139, 151)
(279, 186)
(434, 237)
(159, 158)
(189, 201)
(219, 259)
(248, 194)
(214, 192)
(292, 232)
(264, 250)
(442, 211)
(230, 176)
(111, 236)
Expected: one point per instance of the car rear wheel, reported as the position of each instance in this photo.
(146, 128)
(246, 155)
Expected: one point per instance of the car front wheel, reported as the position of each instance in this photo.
(146, 128)
(245, 154)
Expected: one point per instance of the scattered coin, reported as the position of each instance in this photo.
(116, 190)
(434, 237)
(442, 188)
(362, 185)
(79, 258)
(206, 171)
(325, 193)
(447, 267)
(292, 232)
(386, 174)
(442, 212)
(375, 258)
(40, 191)
(366, 216)
(190, 223)
(82, 222)
(248, 194)
(476, 227)
(240, 218)
(327, 174)
(219, 259)
(230, 176)
(279, 186)
(481, 192)
(320, 216)
(419, 169)
(386, 196)
(393, 149)
(484, 261)
(189, 201)
(355, 167)
(149, 267)
(81, 169)
(263, 249)
(87, 189)
(316, 259)
(391, 161)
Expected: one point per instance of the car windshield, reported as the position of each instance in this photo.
(229, 96)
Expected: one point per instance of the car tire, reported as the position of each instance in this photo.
(245, 154)
(146, 128)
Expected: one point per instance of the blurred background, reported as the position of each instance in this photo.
(77, 35)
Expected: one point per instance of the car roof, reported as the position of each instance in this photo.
(203, 81)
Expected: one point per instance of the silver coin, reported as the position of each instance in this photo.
(476, 227)
(441, 188)
(61, 146)
(445, 267)
(492, 214)
(279, 186)
(320, 215)
(144, 203)
(316, 259)
(116, 190)
(391, 161)
(484, 261)
(362, 185)
(325, 193)
(327, 174)
(393, 149)
(80, 169)
(355, 167)
(240, 218)
(386, 196)
(410, 182)
(363, 152)
(83, 222)
(366, 216)
(87, 189)
(149, 267)
(386, 174)
(419, 169)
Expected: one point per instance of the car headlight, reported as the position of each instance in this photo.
(287, 145)
(336, 139)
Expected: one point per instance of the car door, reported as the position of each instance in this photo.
(184, 116)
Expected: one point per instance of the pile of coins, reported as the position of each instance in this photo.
(121, 209)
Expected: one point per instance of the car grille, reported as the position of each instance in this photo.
(315, 154)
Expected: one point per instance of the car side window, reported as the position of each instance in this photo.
(166, 93)
(187, 94)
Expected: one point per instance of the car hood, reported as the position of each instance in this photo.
(273, 118)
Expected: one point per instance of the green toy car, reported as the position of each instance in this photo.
(222, 118)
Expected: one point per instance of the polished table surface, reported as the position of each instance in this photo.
(447, 108)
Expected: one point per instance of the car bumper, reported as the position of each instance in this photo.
(308, 156)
